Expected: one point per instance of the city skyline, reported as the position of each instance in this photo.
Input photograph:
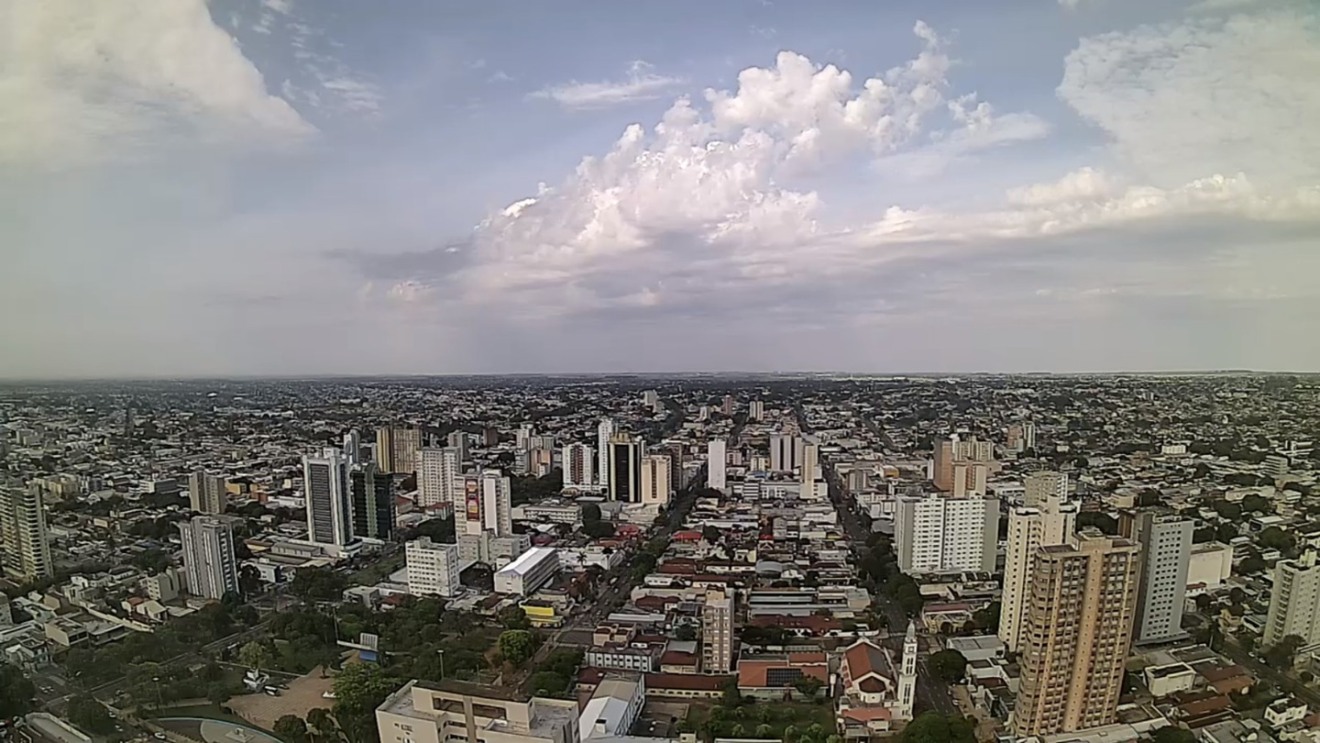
(214, 189)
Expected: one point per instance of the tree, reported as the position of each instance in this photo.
(517, 646)
(16, 692)
(590, 513)
(808, 686)
(217, 693)
(319, 719)
(987, 619)
(254, 655)
(1251, 564)
(513, 617)
(1203, 535)
(90, 716)
(1227, 510)
(359, 690)
(685, 632)
(1203, 602)
(1257, 504)
(711, 533)
(933, 727)
(1171, 734)
(948, 665)
(291, 729)
(1102, 521)
(1275, 538)
(732, 695)
(1280, 655)
(318, 584)
(1225, 532)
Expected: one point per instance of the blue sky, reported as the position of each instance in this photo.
(299, 187)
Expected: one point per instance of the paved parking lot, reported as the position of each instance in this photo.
(304, 694)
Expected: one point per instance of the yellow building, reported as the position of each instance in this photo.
(542, 614)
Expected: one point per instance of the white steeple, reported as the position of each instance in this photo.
(907, 677)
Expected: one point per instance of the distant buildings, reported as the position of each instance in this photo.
(756, 411)
(625, 461)
(956, 470)
(717, 631)
(716, 461)
(373, 502)
(1021, 436)
(433, 568)
(942, 534)
(577, 462)
(23, 534)
(1294, 601)
(206, 493)
(1078, 632)
(209, 564)
(655, 484)
(1166, 548)
(604, 434)
(396, 448)
(785, 452)
(1046, 520)
(329, 514)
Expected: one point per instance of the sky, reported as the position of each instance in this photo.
(303, 187)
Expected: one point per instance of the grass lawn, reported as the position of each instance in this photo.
(715, 720)
(373, 574)
(208, 711)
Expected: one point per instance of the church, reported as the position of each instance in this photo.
(878, 693)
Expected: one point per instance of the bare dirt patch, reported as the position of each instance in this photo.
(303, 695)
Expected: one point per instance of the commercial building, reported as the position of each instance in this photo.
(1294, 601)
(941, 534)
(438, 469)
(490, 549)
(576, 462)
(206, 493)
(527, 573)
(373, 502)
(625, 461)
(1080, 614)
(613, 708)
(716, 460)
(329, 515)
(453, 711)
(23, 534)
(1166, 548)
(1048, 521)
(396, 448)
(717, 631)
(209, 565)
(433, 568)
(655, 485)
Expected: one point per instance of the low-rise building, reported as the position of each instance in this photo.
(425, 712)
(527, 573)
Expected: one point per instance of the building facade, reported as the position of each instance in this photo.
(1049, 521)
(527, 573)
(604, 434)
(373, 502)
(329, 515)
(23, 534)
(655, 486)
(1294, 601)
(1080, 615)
(1166, 548)
(433, 568)
(716, 460)
(396, 448)
(717, 631)
(625, 460)
(209, 565)
(449, 712)
(438, 471)
(576, 464)
(206, 492)
(941, 534)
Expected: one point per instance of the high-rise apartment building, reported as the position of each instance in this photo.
(625, 460)
(1021, 436)
(717, 631)
(941, 534)
(1049, 521)
(756, 411)
(955, 464)
(1083, 599)
(353, 448)
(433, 568)
(717, 458)
(437, 472)
(206, 493)
(655, 483)
(1166, 549)
(604, 434)
(459, 440)
(23, 534)
(810, 467)
(396, 448)
(942, 474)
(325, 484)
(209, 564)
(486, 505)
(373, 502)
(970, 478)
(1294, 601)
(726, 405)
(785, 452)
(576, 464)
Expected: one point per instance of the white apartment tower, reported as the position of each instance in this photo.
(1294, 601)
(656, 487)
(433, 568)
(206, 493)
(717, 631)
(1049, 520)
(208, 557)
(1166, 549)
(23, 534)
(907, 675)
(577, 460)
(329, 513)
(716, 460)
(437, 472)
(940, 534)
(810, 467)
(487, 505)
(785, 452)
(604, 432)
